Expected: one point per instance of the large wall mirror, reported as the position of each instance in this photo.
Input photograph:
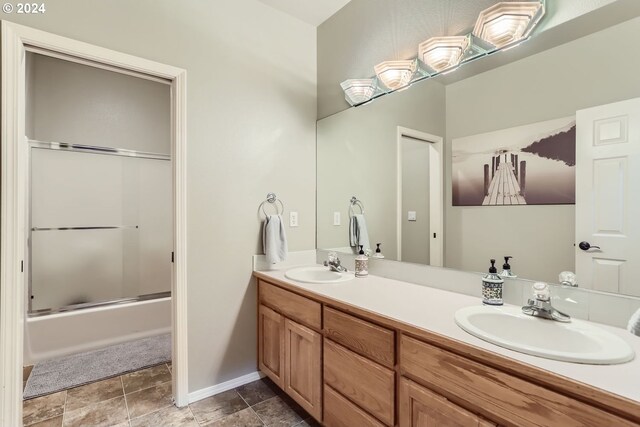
(526, 159)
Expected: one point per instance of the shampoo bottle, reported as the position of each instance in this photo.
(492, 286)
(362, 264)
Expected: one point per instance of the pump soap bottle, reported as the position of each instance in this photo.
(492, 286)
(378, 253)
(362, 264)
(506, 269)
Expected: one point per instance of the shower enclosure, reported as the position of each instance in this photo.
(100, 230)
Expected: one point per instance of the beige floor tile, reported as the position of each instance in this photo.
(43, 408)
(216, 407)
(102, 414)
(169, 416)
(275, 412)
(146, 378)
(149, 400)
(257, 391)
(245, 418)
(51, 422)
(82, 396)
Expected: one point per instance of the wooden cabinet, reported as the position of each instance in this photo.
(303, 373)
(419, 407)
(271, 344)
(365, 383)
(289, 352)
(342, 364)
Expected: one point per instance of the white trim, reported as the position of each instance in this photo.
(227, 385)
(15, 38)
(436, 193)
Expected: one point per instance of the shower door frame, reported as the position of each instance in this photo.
(16, 40)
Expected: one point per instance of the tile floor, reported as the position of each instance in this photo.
(143, 399)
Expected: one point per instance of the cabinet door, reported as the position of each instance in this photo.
(420, 407)
(303, 380)
(271, 344)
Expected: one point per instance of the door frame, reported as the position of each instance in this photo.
(436, 193)
(16, 40)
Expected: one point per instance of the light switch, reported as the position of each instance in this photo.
(412, 216)
(336, 218)
(293, 219)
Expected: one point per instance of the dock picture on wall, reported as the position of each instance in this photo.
(526, 165)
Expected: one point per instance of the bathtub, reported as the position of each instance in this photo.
(67, 333)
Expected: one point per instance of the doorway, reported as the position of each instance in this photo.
(17, 40)
(420, 197)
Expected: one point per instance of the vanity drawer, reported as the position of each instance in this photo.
(497, 395)
(293, 306)
(373, 341)
(339, 412)
(363, 382)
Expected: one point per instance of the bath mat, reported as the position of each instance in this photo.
(71, 371)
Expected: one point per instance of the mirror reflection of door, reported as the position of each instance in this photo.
(607, 206)
(415, 200)
(419, 198)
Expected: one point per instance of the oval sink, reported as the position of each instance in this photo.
(577, 341)
(317, 275)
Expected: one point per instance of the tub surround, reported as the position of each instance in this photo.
(62, 334)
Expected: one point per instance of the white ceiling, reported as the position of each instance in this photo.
(314, 12)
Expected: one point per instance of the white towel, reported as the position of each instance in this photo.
(358, 234)
(274, 241)
(634, 323)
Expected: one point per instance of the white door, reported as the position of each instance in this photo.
(607, 197)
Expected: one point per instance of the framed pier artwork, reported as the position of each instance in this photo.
(526, 165)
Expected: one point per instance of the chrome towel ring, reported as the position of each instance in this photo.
(354, 202)
(271, 198)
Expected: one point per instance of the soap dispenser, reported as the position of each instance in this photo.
(492, 286)
(378, 253)
(362, 264)
(506, 269)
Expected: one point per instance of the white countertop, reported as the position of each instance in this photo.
(433, 310)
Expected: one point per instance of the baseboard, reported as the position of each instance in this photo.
(227, 385)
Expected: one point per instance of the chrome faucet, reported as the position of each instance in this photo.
(333, 262)
(540, 305)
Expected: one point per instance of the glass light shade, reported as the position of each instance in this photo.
(440, 53)
(396, 74)
(505, 23)
(357, 91)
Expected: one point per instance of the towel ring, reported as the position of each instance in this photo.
(355, 202)
(271, 198)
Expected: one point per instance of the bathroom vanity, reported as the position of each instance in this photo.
(372, 353)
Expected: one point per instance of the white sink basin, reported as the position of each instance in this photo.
(317, 275)
(577, 341)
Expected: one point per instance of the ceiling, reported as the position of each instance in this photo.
(313, 12)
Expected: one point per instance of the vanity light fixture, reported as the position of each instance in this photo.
(499, 27)
(357, 91)
(507, 22)
(441, 53)
(396, 74)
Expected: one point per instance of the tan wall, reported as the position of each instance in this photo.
(251, 106)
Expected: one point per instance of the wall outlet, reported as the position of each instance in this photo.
(412, 216)
(293, 219)
(336, 218)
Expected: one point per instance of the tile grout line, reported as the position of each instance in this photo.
(251, 407)
(126, 405)
(152, 412)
